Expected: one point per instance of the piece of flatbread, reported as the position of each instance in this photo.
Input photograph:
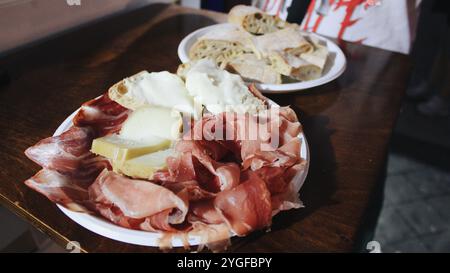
(221, 45)
(253, 69)
(318, 56)
(288, 40)
(121, 93)
(294, 67)
(254, 20)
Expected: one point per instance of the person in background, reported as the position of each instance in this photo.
(222, 5)
(389, 25)
(289, 10)
(430, 80)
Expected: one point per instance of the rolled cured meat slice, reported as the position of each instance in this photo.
(114, 194)
(246, 207)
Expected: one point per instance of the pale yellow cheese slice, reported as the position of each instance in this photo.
(119, 149)
(147, 122)
(144, 166)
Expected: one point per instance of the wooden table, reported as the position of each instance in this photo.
(348, 123)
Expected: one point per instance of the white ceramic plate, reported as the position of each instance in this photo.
(334, 66)
(105, 228)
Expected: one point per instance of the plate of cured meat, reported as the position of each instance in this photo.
(168, 161)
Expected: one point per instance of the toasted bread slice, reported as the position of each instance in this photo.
(289, 40)
(221, 45)
(253, 69)
(183, 69)
(294, 67)
(146, 88)
(318, 56)
(254, 20)
(121, 94)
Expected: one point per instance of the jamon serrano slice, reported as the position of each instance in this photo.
(69, 154)
(193, 189)
(206, 212)
(246, 207)
(226, 174)
(69, 166)
(102, 114)
(60, 189)
(119, 199)
(277, 140)
(289, 198)
(193, 163)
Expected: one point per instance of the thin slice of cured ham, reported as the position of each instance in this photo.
(268, 143)
(60, 189)
(206, 212)
(121, 199)
(289, 198)
(193, 163)
(192, 187)
(216, 135)
(102, 114)
(226, 174)
(246, 207)
(69, 154)
(274, 141)
(69, 166)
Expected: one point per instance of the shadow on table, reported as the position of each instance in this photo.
(320, 182)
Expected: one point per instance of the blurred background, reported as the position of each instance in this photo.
(415, 216)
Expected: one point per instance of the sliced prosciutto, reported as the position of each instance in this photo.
(102, 114)
(246, 207)
(266, 143)
(128, 202)
(60, 189)
(225, 175)
(69, 154)
(194, 163)
(69, 167)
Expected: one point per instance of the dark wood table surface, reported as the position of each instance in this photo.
(348, 124)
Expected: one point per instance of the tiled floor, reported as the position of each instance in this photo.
(416, 213)
(11, 227)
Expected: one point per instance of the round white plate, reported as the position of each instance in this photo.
(105, 228)
(334, 66)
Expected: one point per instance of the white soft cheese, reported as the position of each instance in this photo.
(219, 90)
(161, 89)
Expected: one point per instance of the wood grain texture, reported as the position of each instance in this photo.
(348, 124)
